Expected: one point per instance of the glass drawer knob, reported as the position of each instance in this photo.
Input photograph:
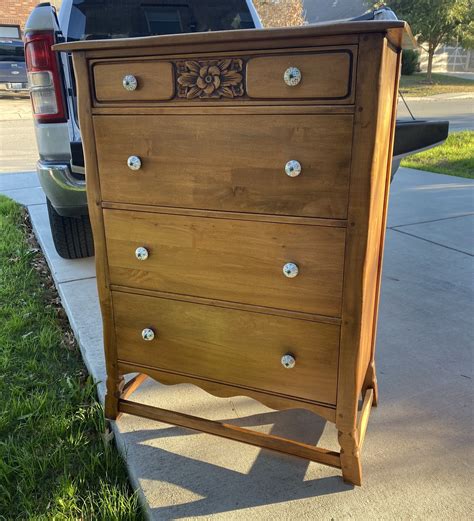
(288, 361)
(148, 334)
(129, 82)
(292, 76)
(293, 168)
(134, 163)
(290, 270)
(141, 253)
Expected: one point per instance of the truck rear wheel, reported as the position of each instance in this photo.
(72, 236)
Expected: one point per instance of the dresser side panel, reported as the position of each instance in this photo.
(83, 86)
(380, 188)
(372, 142)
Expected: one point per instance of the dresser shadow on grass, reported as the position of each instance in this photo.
(272, 478)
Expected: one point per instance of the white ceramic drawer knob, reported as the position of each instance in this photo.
(292, 76)
(134, 163)
(148, 334)
(141, 253)
(288, 361)
(293, 168)
(290, 270)
(129, 82)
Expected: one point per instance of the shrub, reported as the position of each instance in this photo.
(410, 62)
(280, 13)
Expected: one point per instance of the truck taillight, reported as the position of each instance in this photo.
(44, 78)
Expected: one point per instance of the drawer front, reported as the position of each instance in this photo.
(155, 81)
(233, 163)
(322, 75)
(231, 260)
(227, 345)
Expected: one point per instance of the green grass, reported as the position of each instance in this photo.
(55, 462)
(415, 85)
(454, 157)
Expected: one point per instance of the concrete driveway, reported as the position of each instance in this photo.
(18, 150)
(417, 458)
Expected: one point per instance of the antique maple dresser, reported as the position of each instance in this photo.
(238, 185)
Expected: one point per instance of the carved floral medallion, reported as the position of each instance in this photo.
(210, 79)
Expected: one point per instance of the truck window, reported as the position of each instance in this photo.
(103, 19)
(11, 52)
(10, 31)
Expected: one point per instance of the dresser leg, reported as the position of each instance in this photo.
(350, 457)
(371, 383)
(114, 392)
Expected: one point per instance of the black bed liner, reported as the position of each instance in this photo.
(414, 136)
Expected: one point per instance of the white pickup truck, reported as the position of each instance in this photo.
(61, 163)
(52, 89)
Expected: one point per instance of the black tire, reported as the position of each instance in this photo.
(72, 236)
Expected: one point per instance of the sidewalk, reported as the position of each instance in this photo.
(417, 460)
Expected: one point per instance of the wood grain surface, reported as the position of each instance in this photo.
(228, 163)
(377, 83)
(155, 81)
(233, 260)
(229, 345)
(225, 390)
(325, 75)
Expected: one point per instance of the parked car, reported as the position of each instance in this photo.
(13, 78)
(61, 163)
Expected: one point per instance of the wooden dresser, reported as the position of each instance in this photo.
(238, 186)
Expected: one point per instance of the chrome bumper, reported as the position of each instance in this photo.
(66, 193)
(12, 87)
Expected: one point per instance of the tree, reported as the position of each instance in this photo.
(280, 13)
(466, 34)
(434, 22)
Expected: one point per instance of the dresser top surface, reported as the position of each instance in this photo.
(397, 31)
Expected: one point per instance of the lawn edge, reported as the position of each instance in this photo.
(48, 285)
(120, 443)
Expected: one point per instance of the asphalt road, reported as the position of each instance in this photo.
(459, 112)
(18, 150)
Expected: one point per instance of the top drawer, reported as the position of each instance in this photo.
(320, 75)
(154, 81)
